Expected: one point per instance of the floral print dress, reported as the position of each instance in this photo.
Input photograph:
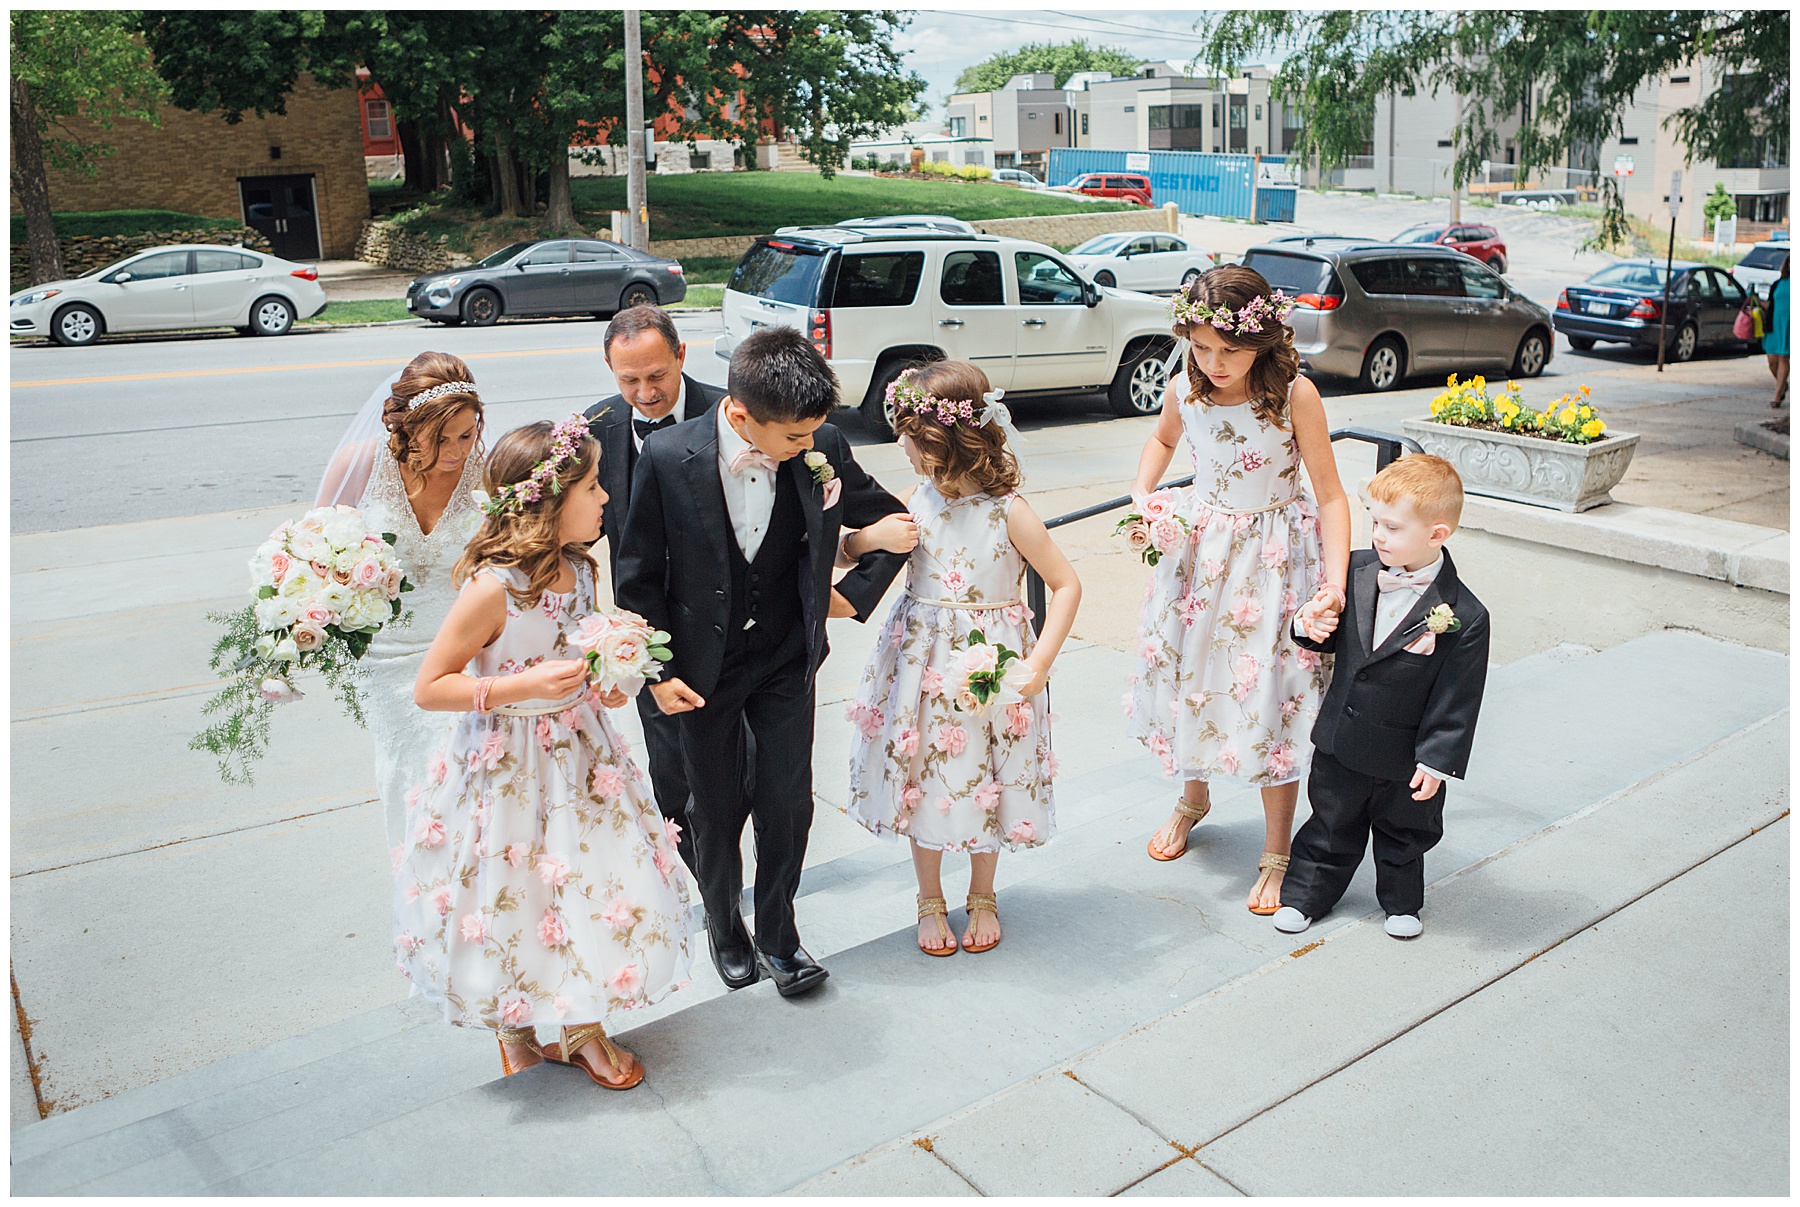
(1221, 688)
(536, 883)
(919, 768)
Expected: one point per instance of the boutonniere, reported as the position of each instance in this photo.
(824, 475)
(1439, 620)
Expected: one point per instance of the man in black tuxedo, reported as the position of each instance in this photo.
(729, 546)
(647, 358)
(1399, 716)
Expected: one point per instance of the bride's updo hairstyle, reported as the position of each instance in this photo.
(414, 431)
(961, 452)
(1277, 364)
(524, 534)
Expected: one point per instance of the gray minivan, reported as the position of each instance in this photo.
(1380, 311)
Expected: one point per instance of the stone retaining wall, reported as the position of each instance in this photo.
(392, 247)
(83, 253)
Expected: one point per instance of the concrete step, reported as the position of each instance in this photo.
(752, 1095)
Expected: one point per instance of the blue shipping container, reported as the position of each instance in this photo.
(1216, 186)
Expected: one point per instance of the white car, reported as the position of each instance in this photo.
(875, 300)
(168, 288)
(1152, 261)
(1018, 176)
(1761, 267)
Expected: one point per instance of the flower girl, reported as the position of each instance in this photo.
(952, 744)
(536, 884)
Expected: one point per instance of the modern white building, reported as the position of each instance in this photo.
(1021, 121)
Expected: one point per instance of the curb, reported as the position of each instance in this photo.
(1754, 434)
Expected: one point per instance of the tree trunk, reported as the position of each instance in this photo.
(559, 215)
(412, 155)
(32, 187)
(506, 180)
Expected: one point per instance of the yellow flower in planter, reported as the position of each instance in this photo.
(1592, 429)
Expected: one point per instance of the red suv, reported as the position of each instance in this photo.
(1117, 186)
(1482, 242)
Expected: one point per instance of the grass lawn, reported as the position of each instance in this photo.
(125, 222)
(701, 295)
(383, 310)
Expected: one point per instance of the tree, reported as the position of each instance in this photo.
(1567, 75)
(1063, 58)
(68, 63)
(1720, 204)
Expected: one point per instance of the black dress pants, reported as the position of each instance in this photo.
(1350, 812)
(748, 755)
(668, 774)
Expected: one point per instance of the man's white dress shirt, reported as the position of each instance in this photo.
(749, 493)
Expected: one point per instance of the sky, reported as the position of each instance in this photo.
(939, 44)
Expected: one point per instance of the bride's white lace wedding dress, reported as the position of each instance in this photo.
(405, 734)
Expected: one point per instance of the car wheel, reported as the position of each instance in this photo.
(1137, 388)
(1189, 277)
(1532, 355)
(75, 326)
(1686, 341)
(1498, 264)
(271, 316)
(876, 411)
(481, 308)
(1105, 278)
(637, 294)
(1383, 366)
(1581, 343)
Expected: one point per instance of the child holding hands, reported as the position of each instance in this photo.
(954, 762)
(1221, 688)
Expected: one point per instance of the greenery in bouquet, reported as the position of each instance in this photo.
(1570, 419)
(984, 668)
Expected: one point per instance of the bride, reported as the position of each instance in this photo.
(409, 461)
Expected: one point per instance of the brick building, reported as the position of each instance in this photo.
(298, 178)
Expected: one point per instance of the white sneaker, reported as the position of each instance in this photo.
(1404, 926)
(1290, 921)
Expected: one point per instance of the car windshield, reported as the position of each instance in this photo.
(1100, 245)
(503, 255)
(1292, 274)
(1630, 276)
(1423, 234)
(1763, 257)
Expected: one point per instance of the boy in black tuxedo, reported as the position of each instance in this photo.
(647, 358)
(1399, 716)
(729, 546)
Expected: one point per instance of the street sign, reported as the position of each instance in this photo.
(1675, 195)
(1137, 161)
(1624, 165)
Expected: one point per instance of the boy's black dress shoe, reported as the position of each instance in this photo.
(732, 953)
(793, 975)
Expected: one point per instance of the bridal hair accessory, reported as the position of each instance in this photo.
(999, 413)
(565, 445)
(1245, 320)
(440, 391)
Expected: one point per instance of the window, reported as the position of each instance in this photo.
(164, 264)
(1628, 142)
(781, 274)
(1239, 119)
(1702, 286)
(1044, 282)
(883, 279)
(1678, 79)
(1170, 243)
(222, 261)
(1084, 118)
(1763, 152)
(1259, 113)
(972, 157)
(547, 253)
(1005, 159)
(1176, 127)
(1432, 277)
(959, 126)
(700, 161)
(1057, 129)
(940, 157)
(1444, 142)
(1131, 108)
(1761, 257)
(381, 123)
(972, 278)
(596, 253)
(1143, 245)
(1293, 275)
(1478, 282)
(1730, 289)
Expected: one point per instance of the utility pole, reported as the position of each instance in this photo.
(1662, 324)
(1455, 187)
(637, 226)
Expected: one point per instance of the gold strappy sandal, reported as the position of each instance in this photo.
(576, 1038)
(991, 904)
(527, 1038)
(1194, 813)
(937, 907)
(1270, 862)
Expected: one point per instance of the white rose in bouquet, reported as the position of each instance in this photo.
(277, 612)
(308, 545)
(345, 527)
(336, 596)
(367, 610)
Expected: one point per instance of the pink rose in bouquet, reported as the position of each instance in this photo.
(1153, 528)
(620, 647)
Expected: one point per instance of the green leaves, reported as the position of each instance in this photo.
(1063, 59)
(70, 61)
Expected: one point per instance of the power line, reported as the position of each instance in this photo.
(1135, 28)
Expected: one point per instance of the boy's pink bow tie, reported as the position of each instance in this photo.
(1400, 580)
(754, 459)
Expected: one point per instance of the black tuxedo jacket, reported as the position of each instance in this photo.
(1387, 710)
(609, 422)
(674, 560)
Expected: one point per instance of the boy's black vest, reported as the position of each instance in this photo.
(767, 590)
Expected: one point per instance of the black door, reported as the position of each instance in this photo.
(281, 207)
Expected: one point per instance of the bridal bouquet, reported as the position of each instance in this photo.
(1153, 528)
(619, 647)
(984, 674)
(321, 588)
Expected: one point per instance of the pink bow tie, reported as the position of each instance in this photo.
(1400, 580)
(753, 458)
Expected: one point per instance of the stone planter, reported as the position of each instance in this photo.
(1526, 469)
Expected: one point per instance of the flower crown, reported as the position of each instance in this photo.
(449, 387)
(565, 446)
(1245, 320)
(903, 395)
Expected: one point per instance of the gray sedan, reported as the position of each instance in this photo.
(555, 276)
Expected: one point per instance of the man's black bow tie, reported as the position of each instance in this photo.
(645, 426)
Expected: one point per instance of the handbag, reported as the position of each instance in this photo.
(1749, 324)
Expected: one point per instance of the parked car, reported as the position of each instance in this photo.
(1761, 266)
(1482, 242)
(1145, 260)
(1379, 311)
(169, 288)
(875, 300)
(931, 221)
(552, 276)
(1623, 303)
(1018, 176)
(1114, 186)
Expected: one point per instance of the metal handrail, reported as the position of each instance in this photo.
(1388, 448)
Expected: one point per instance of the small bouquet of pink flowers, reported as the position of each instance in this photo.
(620, 648)
(321, 587)
(988, 674)
(1153, 528)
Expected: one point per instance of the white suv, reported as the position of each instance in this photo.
(875, 301)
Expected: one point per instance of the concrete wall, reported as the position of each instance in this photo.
(193, 162)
